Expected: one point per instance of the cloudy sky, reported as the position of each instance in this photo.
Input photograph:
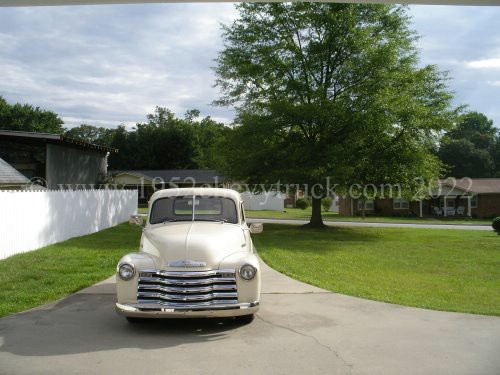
(106, 65)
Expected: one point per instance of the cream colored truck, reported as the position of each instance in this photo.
(196, 259)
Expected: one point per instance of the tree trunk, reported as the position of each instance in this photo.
(316, 220)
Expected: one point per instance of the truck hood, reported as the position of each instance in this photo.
(194, 242)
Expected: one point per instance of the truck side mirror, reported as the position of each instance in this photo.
(136, 220)
(256, 228)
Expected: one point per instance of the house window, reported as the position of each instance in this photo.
(368, 204)
(473, 201)
(400, 204)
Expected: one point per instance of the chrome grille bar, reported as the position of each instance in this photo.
(191, 289)
(187, 288)
(148, 304)
(187, 297)
(208, 281)
(189, 274)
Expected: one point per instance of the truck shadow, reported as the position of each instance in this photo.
(84, 323)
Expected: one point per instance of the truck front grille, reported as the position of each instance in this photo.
(186, 289)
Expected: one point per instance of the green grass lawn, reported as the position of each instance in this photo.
(34, 278)
(438, 269)
(297, 213)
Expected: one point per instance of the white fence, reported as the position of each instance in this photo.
(265, 201)
(33, 219)
(335, 205)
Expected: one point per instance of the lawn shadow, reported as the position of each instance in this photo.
(328, 233)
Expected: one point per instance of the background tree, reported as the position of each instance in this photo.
(164, 142)
(329, 90)
(25, 117)
(126, 143)
(496, 156)
(466, 160)
(471, 148)
(475, 127)
(91, 134)
(208, 137)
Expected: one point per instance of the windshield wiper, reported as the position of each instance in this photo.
(173, 220)
(215, 220)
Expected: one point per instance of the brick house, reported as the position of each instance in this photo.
(479, 197)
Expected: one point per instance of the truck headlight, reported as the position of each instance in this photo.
(248, 272)
(126, 271)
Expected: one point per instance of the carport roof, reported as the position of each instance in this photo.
(33, 137)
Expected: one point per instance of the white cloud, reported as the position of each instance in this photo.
(484, 64)
(74, 121)
(463, 40)
(108, 65)
(112, 64)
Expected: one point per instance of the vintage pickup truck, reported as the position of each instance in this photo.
(196, 259)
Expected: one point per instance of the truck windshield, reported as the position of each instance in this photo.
(198, 208)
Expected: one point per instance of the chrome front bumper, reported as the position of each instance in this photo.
(215, 311)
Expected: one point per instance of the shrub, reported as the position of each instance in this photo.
(302, 203)
(496, 225)
(326, 203)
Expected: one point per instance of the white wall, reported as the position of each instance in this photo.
(335, 204)
(33, 219)
(265, 201)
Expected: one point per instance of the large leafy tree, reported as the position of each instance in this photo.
(25, 117)
(329, 90)
(470, 149)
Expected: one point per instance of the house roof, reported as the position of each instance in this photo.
(476, 185)
(33, 137)
(11, 176)
(199, 176)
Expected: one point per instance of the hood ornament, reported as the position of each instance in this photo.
(186, 263)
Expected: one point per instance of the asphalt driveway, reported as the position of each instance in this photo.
(300, 329)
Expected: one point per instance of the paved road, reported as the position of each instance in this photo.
(300, 329)
(373, 224)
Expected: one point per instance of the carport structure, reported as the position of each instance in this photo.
(54, 158)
